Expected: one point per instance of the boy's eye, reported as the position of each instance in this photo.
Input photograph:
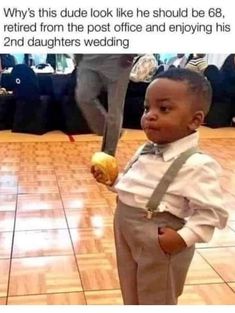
(146, 108)
(164, 108)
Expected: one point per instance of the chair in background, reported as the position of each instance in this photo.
(7, 61)
(7, 111)
(32, 109)
(220, 113)
(228, 73)
(51, 59)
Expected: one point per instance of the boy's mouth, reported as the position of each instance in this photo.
(151, 128)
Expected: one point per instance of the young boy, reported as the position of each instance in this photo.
(155, 239)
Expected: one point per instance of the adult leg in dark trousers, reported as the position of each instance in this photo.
(88, 88)
(92, 77)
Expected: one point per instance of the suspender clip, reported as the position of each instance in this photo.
(149, 214)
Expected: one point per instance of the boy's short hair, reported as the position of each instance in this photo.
(198, 85)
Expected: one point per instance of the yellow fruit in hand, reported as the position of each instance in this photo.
(107, 164)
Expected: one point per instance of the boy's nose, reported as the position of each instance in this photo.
(151, 116)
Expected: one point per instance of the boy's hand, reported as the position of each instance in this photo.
(104, 168)
(170, 241)
(98, 174)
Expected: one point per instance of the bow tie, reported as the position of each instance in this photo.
(151, 148)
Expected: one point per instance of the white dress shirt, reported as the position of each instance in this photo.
(195, 194)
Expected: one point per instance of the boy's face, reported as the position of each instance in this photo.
(168, 114)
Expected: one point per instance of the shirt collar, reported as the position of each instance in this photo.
(173, 149)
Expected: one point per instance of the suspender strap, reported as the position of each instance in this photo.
(167, 179)
(133, 159)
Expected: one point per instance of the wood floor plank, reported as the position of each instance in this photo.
(217, 294)
(73, 298)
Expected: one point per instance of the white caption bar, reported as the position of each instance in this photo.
(144, 26)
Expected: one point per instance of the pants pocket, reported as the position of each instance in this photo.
(155, 241)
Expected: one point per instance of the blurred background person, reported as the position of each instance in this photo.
(228, 75)
(198, 63)
(158, 58)
(178, 61)
(143, 68)
(111, 73)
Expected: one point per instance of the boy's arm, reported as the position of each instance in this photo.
(205, 198)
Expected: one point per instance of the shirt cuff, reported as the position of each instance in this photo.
(188, 236)
(112, 188)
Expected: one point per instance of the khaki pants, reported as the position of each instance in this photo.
(148, 275)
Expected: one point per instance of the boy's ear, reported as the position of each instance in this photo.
(196, 120)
